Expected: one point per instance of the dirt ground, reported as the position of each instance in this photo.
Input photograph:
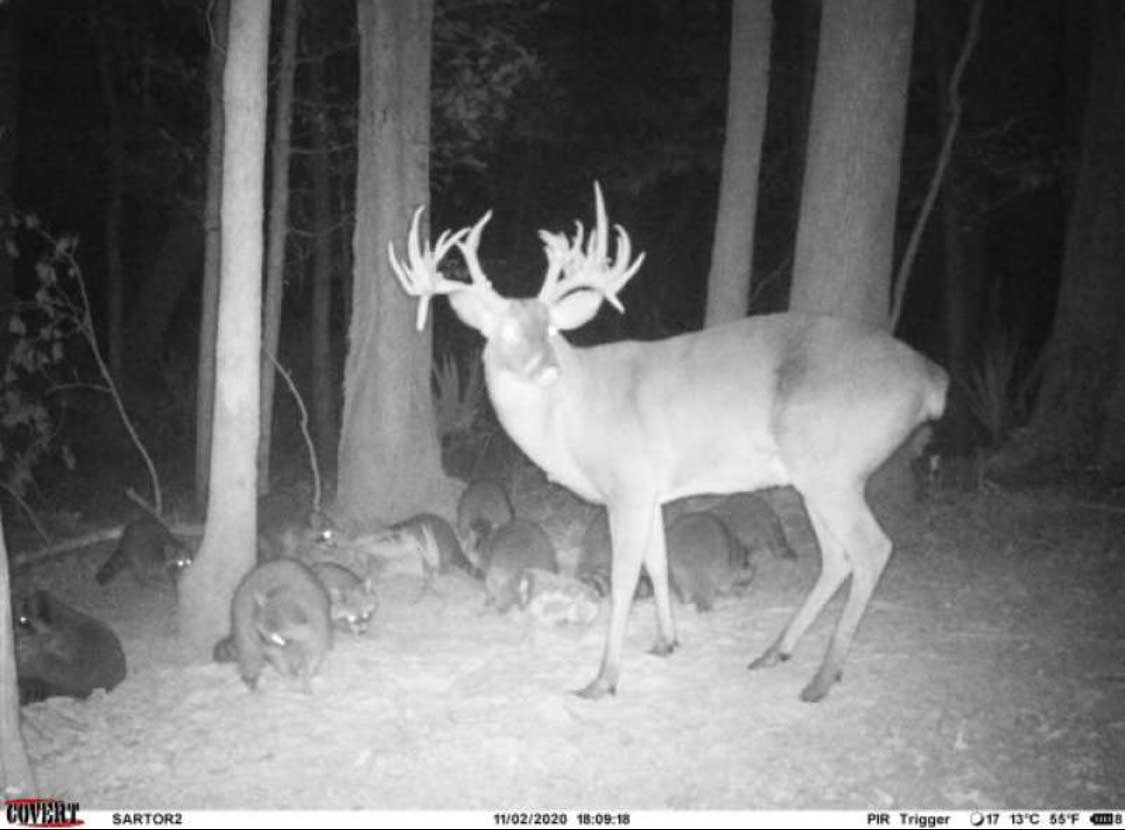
(988, 673)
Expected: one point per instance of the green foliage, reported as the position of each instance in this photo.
(480, 62)
(42, 331)
(457, 403)
(997, 396)
(38, 335)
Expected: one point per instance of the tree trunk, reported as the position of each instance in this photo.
(807, 18)
(1111, 447)
(212, 255)
(16, 778)
(114, 271)
(389, 455)
(845, 237)
(1074, 418)
(728, 284)
(324, 379)
(793, 71)
(230, 538)
(278, 228)
(167, 277)
(966, 275)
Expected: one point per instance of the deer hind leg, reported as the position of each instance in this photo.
(630, 529)
(834, 569)
(851, 541)
(868, 548)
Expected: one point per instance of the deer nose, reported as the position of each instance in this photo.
(542, 367)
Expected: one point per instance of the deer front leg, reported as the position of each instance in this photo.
(656, 563)
(630, 529)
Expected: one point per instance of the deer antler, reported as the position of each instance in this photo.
(570, 268)
(419, 276)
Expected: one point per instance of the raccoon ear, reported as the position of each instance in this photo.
(369, 585)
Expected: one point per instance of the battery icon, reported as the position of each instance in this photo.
(1102, 819)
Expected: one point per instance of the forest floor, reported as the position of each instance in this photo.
(988, 673)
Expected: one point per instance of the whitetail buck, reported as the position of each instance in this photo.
(812, 401)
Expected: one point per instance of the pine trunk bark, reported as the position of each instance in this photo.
(732, 256)
(845, 237)
(229, 547)
(389, 455)
(278, 231)
(212, 256)
(1078, 413)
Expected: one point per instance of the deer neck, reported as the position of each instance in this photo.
(543, 418)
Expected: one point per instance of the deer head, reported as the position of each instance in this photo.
(580, 276)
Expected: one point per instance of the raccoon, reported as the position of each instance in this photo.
(596, 559)
(515, 546)
(280, 614)
(705, 560)
(353, 600)
(755, 524)
(293, 541)
(483, 507)
(61, 651)
(153, 555)
(450, 553)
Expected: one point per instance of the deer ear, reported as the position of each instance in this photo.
(479, 309)
(575, 309)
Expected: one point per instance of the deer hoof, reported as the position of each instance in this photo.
(819, 686)
(597, 689)
(663, 648)
(770, 657)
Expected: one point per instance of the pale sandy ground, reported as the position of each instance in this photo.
(990, 672)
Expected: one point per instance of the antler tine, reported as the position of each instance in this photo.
(572, 266)
(599, 237)
(469, 252)
(419, 276)
(559, 251)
